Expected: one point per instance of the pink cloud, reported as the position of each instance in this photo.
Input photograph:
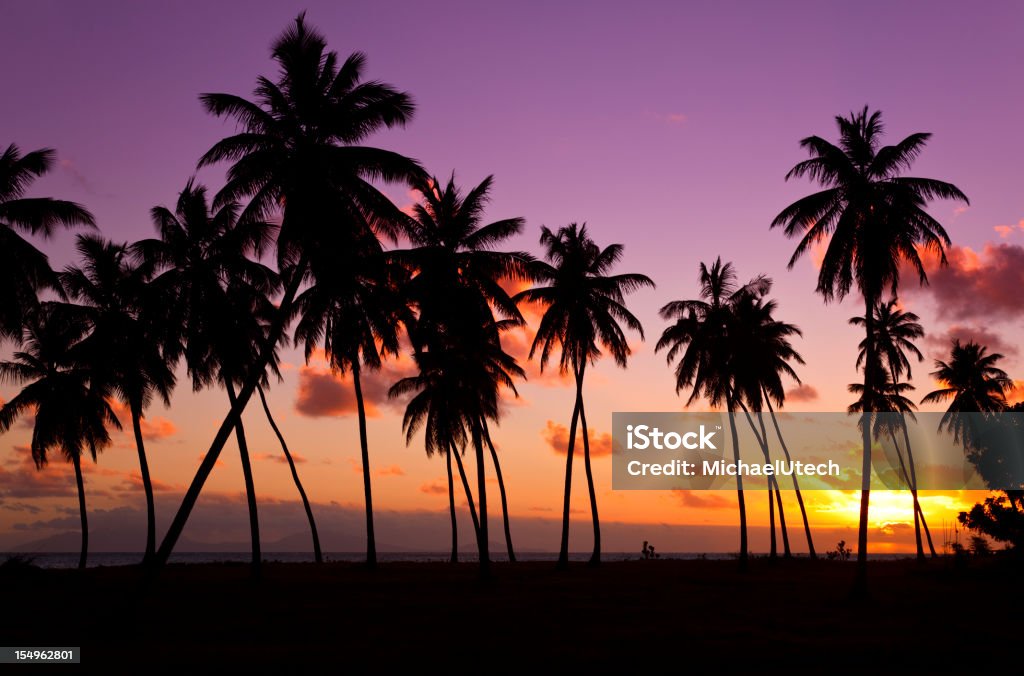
(939, 344)
(557, 437)
(802, 393)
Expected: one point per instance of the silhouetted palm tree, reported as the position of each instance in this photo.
(355, 310)
(704, 337)
(759, 366)
(24, 270)
(874, 220)
(972, 383)
(583, 308)
(894, 333)
(298, 155)
(457, 290)
(121, 349)
(70, 407)
(216, 302)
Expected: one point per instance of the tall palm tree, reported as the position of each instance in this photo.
(71, 408)
(895, 331)
(355, 309)
(216, 302)
(121, 348)
(456, 289)
(759, 367)
(972, 383)
(705, 338)
(874, 220)
(24, 270)
(298, 154)
(583, 308)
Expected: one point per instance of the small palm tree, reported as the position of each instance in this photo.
(874, 220)
(895, 331)
(121, 349)
(24, 270)
(71, 408)
(298, 154)
(972, 383)
(704, 337)
(583, 307)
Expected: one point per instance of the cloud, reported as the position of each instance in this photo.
(153, 428)
(325, 393)
(939, 344)
(1016, 393)
(134, 483)
(279, 457)
(802, 393)
(56, 479)
(1007, 230)
(672, 119)
(557, 437)
(436, 487)
(702, 500)
(392, 470)
(976, 285)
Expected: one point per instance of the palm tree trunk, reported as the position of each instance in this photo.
(595, 557)
(563, 550)
(250, 488)
(504, 497)
(317, 555)
(481, 486)
(371, 544)
(787, 553)
(233, 416)
(913, 493)
(147, 484)
(773, 550)
(76, 459)
(451, 508)
(739, 484)
(860, 586)
(796, 484)
(469, 493)
(913, 483)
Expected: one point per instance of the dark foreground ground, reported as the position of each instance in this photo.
(623, 616)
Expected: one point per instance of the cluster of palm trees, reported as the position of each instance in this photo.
(301, 192)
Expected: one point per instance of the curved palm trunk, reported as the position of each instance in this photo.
(232, 418)
(250, 488)
(796, 484)
(786, 551)
(563, 550)
(76, 459)
(917, 503)
(469, 493)
(860, 585)
(913, 493)
(744, 555)
(147, 484)
(318, 556)
(504, 497)
(451, 508)
(371, 543)
(481, 486)
(595, 557)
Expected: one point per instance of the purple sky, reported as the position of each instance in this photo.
(666, 126)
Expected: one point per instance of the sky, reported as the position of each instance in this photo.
(667, 127)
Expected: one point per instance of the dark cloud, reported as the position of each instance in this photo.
(436, 487)
(939, 344)
(324, 393)
(976, 285)
(703, 500)
(279, 457)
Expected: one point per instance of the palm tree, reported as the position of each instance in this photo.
(24, 270)
(121, 349)
(216, 302)
(298, 154)
(895, 332)
(704, 336)
(874, 220)
(972, 383)
(583, 308)
(355, 310)
(71, 408)
(759, 367)
(456, 288)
